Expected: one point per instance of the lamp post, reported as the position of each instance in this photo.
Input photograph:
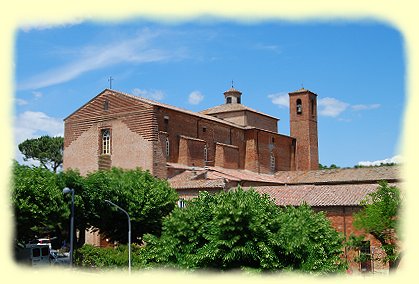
(129, 233)
(65, 191)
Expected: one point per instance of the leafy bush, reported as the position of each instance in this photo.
(244, 230)
(111, 257)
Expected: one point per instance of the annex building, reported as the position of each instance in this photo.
(221, 148)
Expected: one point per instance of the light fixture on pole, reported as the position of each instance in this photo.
(129, 233)
(65, 191)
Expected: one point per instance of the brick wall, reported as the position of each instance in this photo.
(261, 121)
(226, 156)
(191, 151)
(131, 145)
(341, 218)
(260, 145)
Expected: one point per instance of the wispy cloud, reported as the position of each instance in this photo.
(30, 124)
(364, 107)
(269, 47)
(134, 50)
(37, 94)
(157, 95)
(281, 99)
(331, 107)
(195, 98)
(21, 102)
(395, 159)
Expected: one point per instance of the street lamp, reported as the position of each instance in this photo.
(129, 233)
(65, 191)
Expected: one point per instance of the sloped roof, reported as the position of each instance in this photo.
(159, 104)
(339, 187)
(198, 184)
(350, 175)
(216, 173)
(320, 195)
(233, 108)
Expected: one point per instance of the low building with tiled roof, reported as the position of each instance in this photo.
(336, 192)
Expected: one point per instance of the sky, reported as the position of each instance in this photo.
(357, 69)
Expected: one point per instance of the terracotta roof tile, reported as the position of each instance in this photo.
(352, 175)
(155, 103)
(197, 184)
(232, 108)
(320, 195)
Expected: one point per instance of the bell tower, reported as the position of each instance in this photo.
(303, 127)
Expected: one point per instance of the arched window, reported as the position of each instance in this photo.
(228, 100)
(167, 147)
(106, 142)
(299, 107)
(272, 163)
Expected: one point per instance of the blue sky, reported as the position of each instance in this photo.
(356, 68)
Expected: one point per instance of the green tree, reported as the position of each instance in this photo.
(38, 204)
(380, 218)
(45, 149)
(146, 199)
(83, 206)
(244, 230)
(331, 167)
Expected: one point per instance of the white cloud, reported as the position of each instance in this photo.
(29, 124)
(268, 47)
(331, 107)
(326, 106)
(395, 159)
(134, 50)
(195, 98)
(37, 94)
(281, 99)
(21, 102)
(156, 95)
(365, 107)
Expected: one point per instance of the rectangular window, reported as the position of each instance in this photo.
(181, 203)
(365, 254)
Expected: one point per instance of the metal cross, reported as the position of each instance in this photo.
(110, 82)
(232, 83)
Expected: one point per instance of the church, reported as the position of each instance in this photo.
(220, 148)
(121, 130)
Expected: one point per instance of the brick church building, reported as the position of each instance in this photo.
(122, 130)
(220, 148)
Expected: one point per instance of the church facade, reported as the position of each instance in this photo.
(122, 130)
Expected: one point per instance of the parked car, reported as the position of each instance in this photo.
(59, 258)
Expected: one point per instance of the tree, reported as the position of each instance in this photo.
(38, 204)
(380, 218)
(324, 167)
(45, 149)
(244, 230)
(146, 199)
(83, 208)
